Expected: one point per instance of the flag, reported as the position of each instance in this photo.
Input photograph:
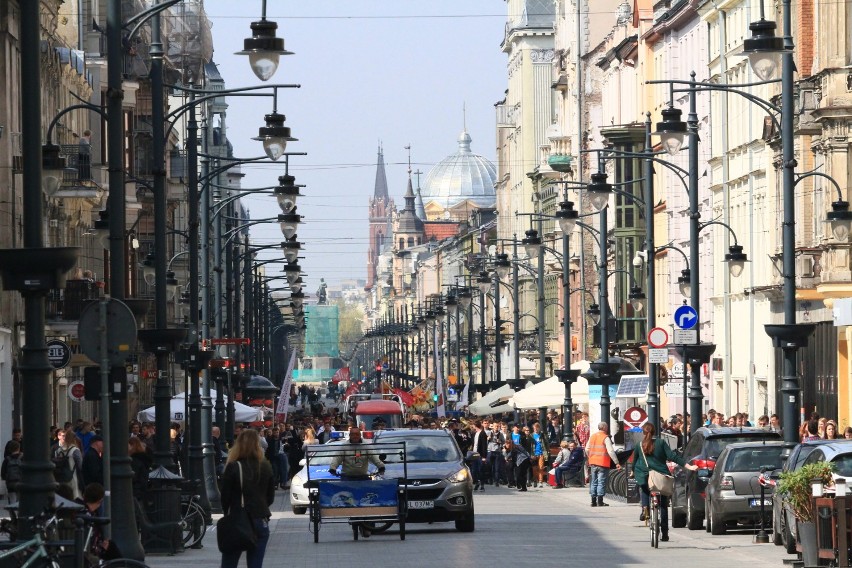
(342, 374)
(463, 397)
(284, 395)
(406, 398)
(439, 381)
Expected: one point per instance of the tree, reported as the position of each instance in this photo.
(350, 325)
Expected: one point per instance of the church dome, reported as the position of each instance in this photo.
(459, 177)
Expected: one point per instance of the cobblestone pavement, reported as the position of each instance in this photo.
(537, 528)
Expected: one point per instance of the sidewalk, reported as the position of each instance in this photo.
(509, 525)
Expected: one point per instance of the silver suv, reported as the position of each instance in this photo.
(439, 485)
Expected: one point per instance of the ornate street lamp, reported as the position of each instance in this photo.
(532, 243)
(286, 193)
(567, 217)
(598, 191)
(672, 130)
(263, 48)
(274, 135)
(289, 223)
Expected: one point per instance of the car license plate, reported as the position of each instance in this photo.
(421, 504)
(756, 502)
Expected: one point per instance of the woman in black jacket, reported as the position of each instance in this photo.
(257, 490)
(518, 457)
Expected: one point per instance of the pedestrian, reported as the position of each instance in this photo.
(11, 471)
(650, 455)
(831, 430)
(255, 488)
(218, 454)
(540, 452)
(325, 431)
(569, 465)
(601, 456)
(141, 463)
(847, 434)
(495, 455)
(518, 459)
(85, 434)
(16, 437)
(478, 455)
(93, 462)
(68, 463)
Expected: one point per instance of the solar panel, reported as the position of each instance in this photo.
(633, 386)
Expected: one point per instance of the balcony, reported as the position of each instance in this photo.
(77, 180)
(507, 115)
(67, 303)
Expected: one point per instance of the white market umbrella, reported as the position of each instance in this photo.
(177, 410)
(502, 397)
(551, 393)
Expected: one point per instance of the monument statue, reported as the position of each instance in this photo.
(322, 298)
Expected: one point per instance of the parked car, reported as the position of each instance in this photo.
(734, 490)
(439, 484)
(703, 449)
(839, 452)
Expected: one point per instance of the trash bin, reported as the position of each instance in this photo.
(160, 523)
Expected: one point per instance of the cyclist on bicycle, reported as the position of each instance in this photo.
(93, 498)
(656, 454)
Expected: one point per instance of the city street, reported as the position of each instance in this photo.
(542, 527)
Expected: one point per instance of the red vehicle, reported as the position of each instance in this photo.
(368, 409)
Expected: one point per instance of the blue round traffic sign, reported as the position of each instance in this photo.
(685, 317)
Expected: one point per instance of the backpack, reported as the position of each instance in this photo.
(13, 472)
(62, 470)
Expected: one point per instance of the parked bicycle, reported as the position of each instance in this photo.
(193, 522)
(654, 521)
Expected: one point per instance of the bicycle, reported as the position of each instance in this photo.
(90, 560)
(654, 521)
(33, 552)
(193, 522)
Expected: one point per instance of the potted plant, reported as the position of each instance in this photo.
(796, 487)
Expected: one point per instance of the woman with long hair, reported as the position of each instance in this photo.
(831, 430)
(256, 489)
(141, 463)
(652, 454)
(69, 448)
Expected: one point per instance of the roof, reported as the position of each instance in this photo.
(381, 188)
(413, 433)
(440, 230)
(461, 177)
(734, 430)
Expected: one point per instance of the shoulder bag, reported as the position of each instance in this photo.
(657, 481)
(235, 531)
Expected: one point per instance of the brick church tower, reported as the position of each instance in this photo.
(381, 208)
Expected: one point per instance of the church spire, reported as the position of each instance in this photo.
(381, 189)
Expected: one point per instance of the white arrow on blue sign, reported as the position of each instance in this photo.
(686, 317)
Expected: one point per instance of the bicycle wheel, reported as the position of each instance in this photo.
(655, 525)
(192, 524)
(123, 563)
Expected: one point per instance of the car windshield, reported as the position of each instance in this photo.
(715, 444)
(843, 462)
(752, 459)
(424, 449)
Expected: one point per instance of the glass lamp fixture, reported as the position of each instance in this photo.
(286, 193)
(567, 217)
(291, 250)
(289, 223)
(736, 260)
(764, 48)
(101, 228)
(598, 191)
(421, 323)
(840, 219)
(840, 488)
(684, 283)
(817, 487)
(296, 285)
(532, 243)
(637, 298)
(52, 168)
(594, 312)
(672, 130)
(484, 282)
(264, 49)
(171, 285)
(297, 299)
(430, 316)
(464, 298)
(502, 266)
(440, 314)
(274, 135)
(148, 269)
(292, 271)
(452, 305)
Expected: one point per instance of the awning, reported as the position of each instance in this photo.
(482, 407)
(551, 393)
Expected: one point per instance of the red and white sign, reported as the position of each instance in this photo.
(635, 417)
(77, 391)
(658, 337)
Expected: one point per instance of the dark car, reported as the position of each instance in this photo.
(703, 449)
(734, 490)
(439, 486)
(838, 452)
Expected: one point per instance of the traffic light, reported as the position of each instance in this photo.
(434, 398)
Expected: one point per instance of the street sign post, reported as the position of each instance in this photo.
(685, 317)
(686, 336)
(635, 417)
(658, 355)
(673, 388)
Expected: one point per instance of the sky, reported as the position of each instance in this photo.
(391, 72)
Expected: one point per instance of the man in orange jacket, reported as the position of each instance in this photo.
(601, 455)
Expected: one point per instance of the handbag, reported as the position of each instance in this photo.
(660, 482)
(235, 531)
